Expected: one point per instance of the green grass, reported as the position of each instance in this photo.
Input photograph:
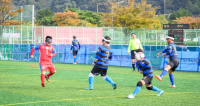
(20, 85)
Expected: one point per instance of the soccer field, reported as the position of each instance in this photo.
(20, 85)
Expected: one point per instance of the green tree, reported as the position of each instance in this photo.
(44, 17)
(180, 13)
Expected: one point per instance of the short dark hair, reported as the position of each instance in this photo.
(138, 50)
(107, 38)
(133, 33)
(74, 37)
(49, 37)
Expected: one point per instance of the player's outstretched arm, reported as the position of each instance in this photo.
(33, 50)
(53, 54)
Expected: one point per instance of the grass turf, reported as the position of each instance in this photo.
(20, 85)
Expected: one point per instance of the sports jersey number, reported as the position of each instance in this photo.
(47, 51)
(107, 54)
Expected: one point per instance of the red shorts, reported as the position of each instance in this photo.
(47, 66)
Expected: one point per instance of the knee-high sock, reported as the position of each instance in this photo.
(171, 79)
(91, 80)
(163, 73)
(74, 59)
(133, 64)
(137, 89)
(42, 78)
(156, 89)
(108, 79)
(50, 74)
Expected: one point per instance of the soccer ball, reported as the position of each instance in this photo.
(139, 56)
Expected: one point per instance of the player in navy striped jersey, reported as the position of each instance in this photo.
(145, 68)
(103, 55)
(75, 47)
(171, 52)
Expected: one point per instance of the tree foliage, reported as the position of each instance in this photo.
(8, 14)
(68, 18)
(180, 13)
(193, 21)
(45, 17)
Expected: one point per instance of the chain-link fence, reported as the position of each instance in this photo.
(89, 35)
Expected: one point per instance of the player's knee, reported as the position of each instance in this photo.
(149, 88)
(103, 77)
(91, 75)
(53, 72)
(139, 84)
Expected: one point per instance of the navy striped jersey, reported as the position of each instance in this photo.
(75, 45)
(145, 66)
(171, 51)
(104, 54)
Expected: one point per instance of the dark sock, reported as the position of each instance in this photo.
(133, 67)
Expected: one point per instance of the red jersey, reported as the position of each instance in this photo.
(45, 53)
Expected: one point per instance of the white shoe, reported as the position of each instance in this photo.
(130, 96)
(74, 63)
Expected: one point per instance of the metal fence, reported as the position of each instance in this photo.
(88, 35)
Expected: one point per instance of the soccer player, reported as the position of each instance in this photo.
(145, 68)
(103, 55)
(75, 46)
(171, 52)
(133, 45)
(46, 52)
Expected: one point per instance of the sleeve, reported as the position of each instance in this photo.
(34, 49)
(140, 45)
(164, 51)
(79, 45)
(137, 65)
(72, 46)
(169, 50)
(54, 53)
(129, 46)
(98, 53)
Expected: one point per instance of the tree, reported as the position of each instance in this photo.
(180, 13)
(68, 18)
(44, 17)
(8, 15)
(194, 22)
(133, 16)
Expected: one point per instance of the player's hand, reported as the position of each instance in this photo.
(158, 55)
(141, 72)
(128, 53)
(93, 64)
(51, 55)
(70, 51)
(31, 56)
(163, 55)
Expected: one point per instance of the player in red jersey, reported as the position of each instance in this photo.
(46, 52)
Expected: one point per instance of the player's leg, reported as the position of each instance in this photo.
(76, 57)
(74, 54)
(43, 69)
(154, 88)
(95, 71)
(52, 71)
(133, 60)
(171, 77)
(108, 79)
(167, 68)
(137, 89)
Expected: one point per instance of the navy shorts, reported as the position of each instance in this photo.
(97, 70)
(174, 62)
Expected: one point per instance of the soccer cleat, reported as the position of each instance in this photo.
(47, 78)
(172, 86)
(114, 86)
(133, 71)
(158, 77)
(89, 88)
(130, 96)
(43, 85)
(76, 61)
(160, 93)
